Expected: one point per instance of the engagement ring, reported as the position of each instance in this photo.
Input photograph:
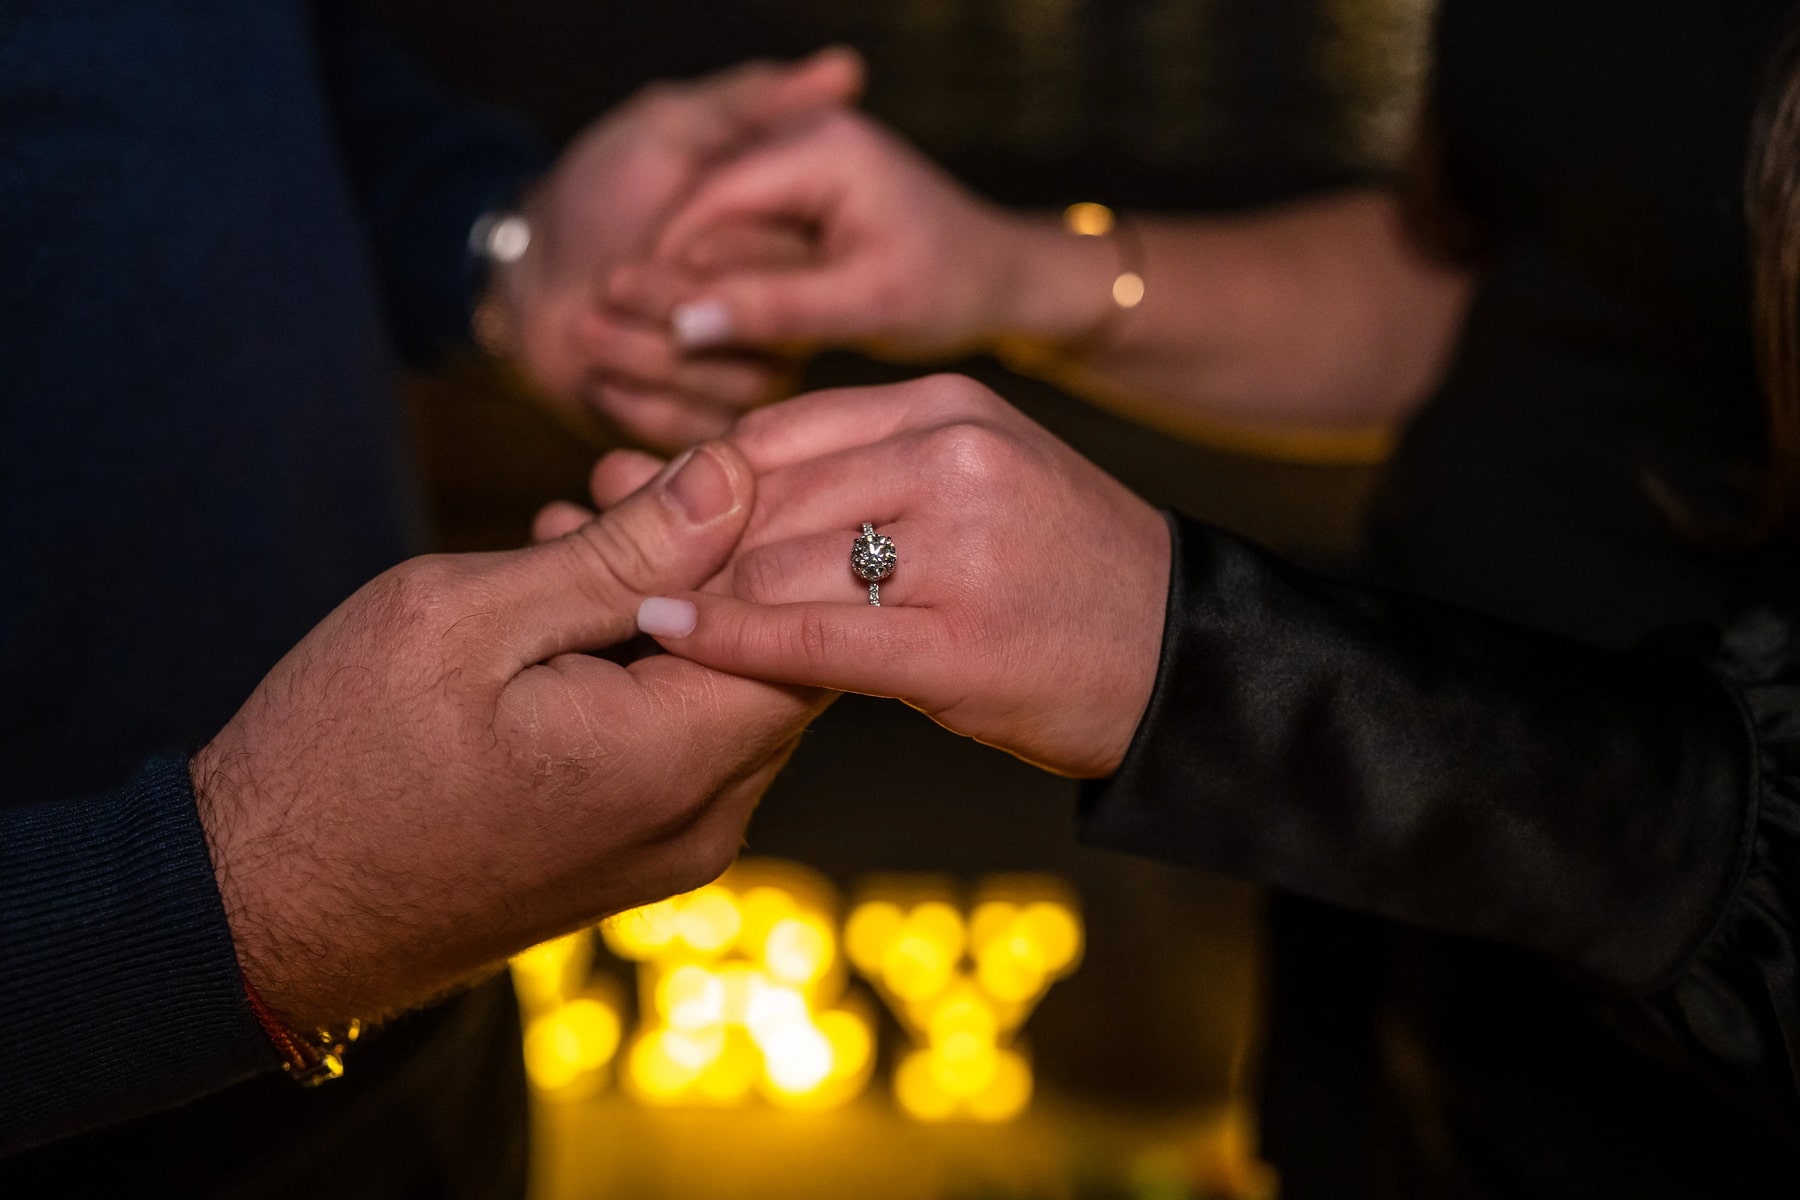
(873, 559)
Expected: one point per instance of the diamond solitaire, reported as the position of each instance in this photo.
(873, 559)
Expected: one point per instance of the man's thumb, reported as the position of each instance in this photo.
(581, 591)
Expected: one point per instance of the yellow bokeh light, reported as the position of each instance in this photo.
(547, 974)
(728, 1078)
(641, 933)
(709, 919)
(797, 1058)
(1057, 933)
(693, 1051)
(870, 931)
(596, 1029)
(989, 922)
(916, 967)
(798, 949)
(1088, 219)
(772, 1011)
(852, 1044)
(962, 1065)
(739, 980)
(963, 1014)
(570, 1043)
(690, 997)
(940, 923)
(1007, 1092)
(918, 1093)
(1008, 980)
(551, 1054)
(655, 1075)
(761, 907)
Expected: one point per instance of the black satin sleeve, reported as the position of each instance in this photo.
(1633, 815)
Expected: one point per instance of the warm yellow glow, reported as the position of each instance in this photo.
(916, 967)
(691, 997)
(1056, 932)
(772, 1010)
(964, 988)
(708, 920)
(798, 949)
(730, 1076)
(596, 1029)
(796, 1058)
(852, 1044)
(737, 981)
(962, 1065)
(654, 1073)
(961, 1015)
(940, 923)
(990, 921)
(1008, 980)
(693, 1050)
(1007, 1092)
(547, 974)
(918, 1093)
(551, 1054)
(761, 907)
(1088, 219)
(571, 1043)
(642, 932)
(741, 987)
(871, 930)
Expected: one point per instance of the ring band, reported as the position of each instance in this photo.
(873, 559)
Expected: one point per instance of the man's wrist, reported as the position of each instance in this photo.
(499, 240)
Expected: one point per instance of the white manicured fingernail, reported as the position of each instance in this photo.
(660, 616)
(703, 323)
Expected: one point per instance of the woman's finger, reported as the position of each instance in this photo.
(650, 291)
(821, 423)
(879, 484)
(639, 352)
(748, 245)
(731, 381)
(852, 647)
(817, 567)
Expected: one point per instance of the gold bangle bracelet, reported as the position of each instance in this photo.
(1088, 219)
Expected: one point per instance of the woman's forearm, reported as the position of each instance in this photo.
(1318, 316)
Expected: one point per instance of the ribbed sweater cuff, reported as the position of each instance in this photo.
(119, 984)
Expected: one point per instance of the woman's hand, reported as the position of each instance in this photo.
(1026, 610)
(907, 261)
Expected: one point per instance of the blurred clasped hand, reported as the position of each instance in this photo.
(603, 204)
(438, 775)
(1026, 610)
(903, 260)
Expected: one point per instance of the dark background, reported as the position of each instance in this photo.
(1167, 105)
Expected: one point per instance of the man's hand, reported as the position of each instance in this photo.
(438, 776)
(1026, 610)
(601, 206)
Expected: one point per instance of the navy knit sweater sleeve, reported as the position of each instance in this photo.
(120, 986)
(224, 217)
(423, 167)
